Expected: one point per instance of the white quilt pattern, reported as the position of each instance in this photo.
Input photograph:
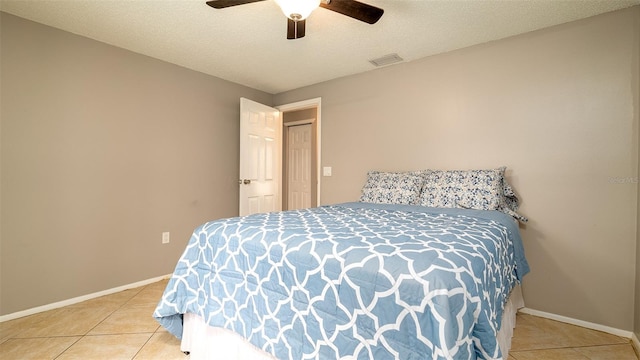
(350, 282)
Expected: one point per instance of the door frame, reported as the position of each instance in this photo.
(303, 105)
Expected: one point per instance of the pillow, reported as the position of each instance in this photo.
(474, 189)
(514, 214)
(510, 203)
(511, 199)
(471, 189)
(393, 187)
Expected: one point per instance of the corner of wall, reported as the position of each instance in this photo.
(636, 94)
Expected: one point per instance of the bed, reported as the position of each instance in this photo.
(386, 277)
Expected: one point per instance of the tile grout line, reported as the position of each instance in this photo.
(152, 334)
(513, 353)
(143, 345)
(114, 311)
(86, 334)
(68, 347)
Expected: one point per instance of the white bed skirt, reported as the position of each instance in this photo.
(514, 303)
(204, 342)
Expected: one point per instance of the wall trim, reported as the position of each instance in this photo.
(299, 122)
(636, 343)
(79, 299)
(581, 323)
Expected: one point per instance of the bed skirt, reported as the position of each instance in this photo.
(204, 342)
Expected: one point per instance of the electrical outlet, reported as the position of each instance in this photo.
(166, 237)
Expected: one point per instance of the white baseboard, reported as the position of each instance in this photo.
(636, 343)
(581, 323)
(78, 299)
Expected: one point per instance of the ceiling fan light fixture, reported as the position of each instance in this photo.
(297, 10)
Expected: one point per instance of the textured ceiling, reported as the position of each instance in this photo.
(247, 44)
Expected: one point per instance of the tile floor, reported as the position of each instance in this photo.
(120, 326)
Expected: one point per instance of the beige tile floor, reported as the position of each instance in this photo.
(120, 326)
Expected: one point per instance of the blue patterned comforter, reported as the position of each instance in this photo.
(355, 280)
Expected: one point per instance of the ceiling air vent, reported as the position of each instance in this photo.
(386, 60)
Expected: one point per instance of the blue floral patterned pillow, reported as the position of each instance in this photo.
(393, 187)
(474, 189)
(511, 199)
(471, 189)
(510, 203)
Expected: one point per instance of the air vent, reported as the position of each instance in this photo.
(386, 60)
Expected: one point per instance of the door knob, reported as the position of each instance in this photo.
(247, 181)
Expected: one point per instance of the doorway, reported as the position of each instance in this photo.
(300, 176)
(298, 153)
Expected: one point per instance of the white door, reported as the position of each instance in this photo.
(260, 158)
(299, 166)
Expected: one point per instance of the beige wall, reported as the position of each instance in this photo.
(103, 150)
(557, 106)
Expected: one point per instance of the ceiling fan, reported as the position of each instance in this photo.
(297, 11)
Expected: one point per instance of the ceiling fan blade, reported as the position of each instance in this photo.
(355, 9)
(221, 4)
(295, 29)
